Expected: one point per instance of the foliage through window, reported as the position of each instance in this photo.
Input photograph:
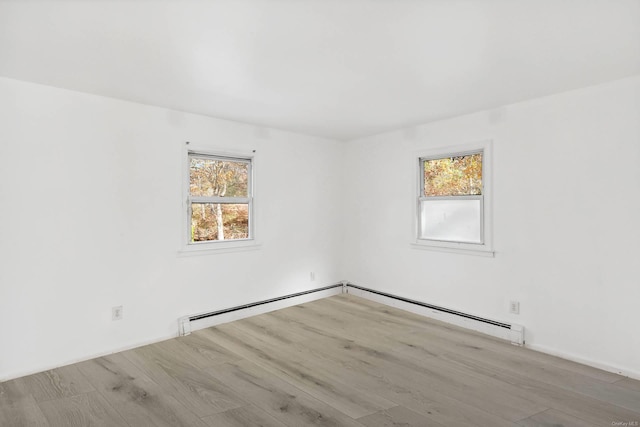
(451, 199)
(219, 198)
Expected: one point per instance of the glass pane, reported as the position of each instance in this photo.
(219, 221)
(451, 220)
(453, 176)
(218, 178)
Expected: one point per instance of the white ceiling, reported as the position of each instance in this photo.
(336, 68)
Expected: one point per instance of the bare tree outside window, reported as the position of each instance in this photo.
(219, 192)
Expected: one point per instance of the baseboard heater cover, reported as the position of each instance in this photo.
(240, 311)
(511, 332)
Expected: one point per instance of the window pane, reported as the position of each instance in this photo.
(219, 221)
(451, 220)
(453, 176)
(218, 178)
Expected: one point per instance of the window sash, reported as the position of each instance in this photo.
(466, 197)
(223, 200)
(424, 159)
(197, 155)
(248, 161)
(206, 242)
(422, 198)
(481, 224)
(220, 200)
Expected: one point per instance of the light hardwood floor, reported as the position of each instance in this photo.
(341, 361)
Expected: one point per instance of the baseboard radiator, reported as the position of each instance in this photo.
(511, 332)
(204, 320)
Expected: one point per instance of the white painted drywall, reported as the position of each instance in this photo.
(90, 193)
(566, 211)
(90, 218)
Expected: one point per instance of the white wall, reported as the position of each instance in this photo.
(90, 193)
(90, 216)
(566, 221)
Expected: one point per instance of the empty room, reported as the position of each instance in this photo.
(319, 212)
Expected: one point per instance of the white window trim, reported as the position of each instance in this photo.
(220, 246)
(480, 249)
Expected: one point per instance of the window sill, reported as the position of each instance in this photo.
(453, 248)
(219, 248)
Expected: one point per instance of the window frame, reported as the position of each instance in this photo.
(213, 246)
(485, 247)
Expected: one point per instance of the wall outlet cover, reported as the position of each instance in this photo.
(514, 307)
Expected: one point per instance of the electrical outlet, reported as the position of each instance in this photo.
(312, 276)
(116, 313)
(514, 307)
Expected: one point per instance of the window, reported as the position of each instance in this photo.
(452, 199)
(219, 200)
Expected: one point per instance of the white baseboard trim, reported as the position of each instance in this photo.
(23, 373)
(513, 333)
(585, 361)
(195, 325)
(186, 324)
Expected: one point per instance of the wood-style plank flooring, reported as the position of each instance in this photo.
(341, 361)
